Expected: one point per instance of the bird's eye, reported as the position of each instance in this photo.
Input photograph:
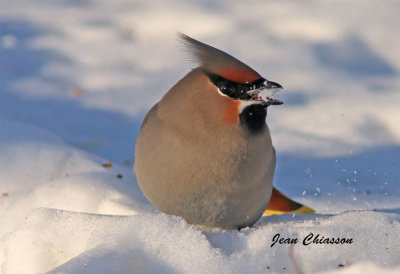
(227, 89)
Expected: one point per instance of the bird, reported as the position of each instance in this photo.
(204, 151)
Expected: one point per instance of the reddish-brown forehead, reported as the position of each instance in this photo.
(239, 75)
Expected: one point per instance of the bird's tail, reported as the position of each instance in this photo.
(280, 204)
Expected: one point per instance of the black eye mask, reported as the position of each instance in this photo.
(236, 90)
(253, 91)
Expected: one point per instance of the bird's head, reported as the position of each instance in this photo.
(240, 92)
(232, 77)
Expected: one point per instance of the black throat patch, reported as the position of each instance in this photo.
(253, 118)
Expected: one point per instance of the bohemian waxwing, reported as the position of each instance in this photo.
(204, 152)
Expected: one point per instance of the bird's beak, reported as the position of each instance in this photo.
(271, 85)
(271, 102)
(266, 92)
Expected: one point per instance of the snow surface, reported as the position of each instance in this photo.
(77, 77)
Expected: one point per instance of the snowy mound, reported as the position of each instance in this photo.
(76, 78)
(39, 170)
(154, 243)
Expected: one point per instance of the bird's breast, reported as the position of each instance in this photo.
(219, 179)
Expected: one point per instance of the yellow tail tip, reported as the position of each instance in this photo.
(302, 210)
(272, 212)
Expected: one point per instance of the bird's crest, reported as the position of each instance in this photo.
(219, 62)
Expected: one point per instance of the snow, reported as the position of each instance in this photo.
(77, 77)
